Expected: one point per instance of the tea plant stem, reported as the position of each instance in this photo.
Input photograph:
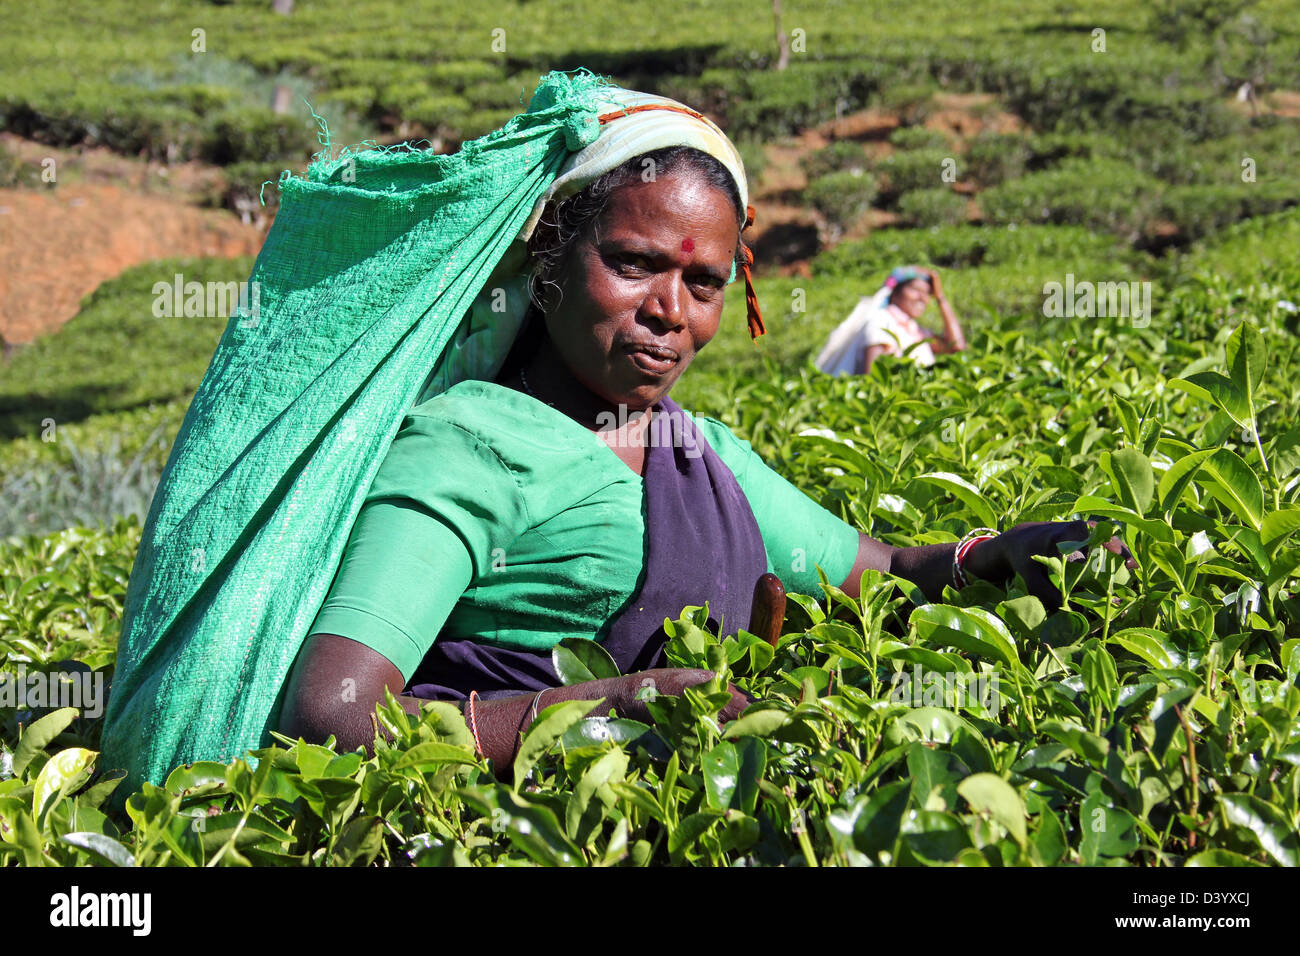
(1059, 663)
(1254, 431)
(1160, 768)
(800, 829)
(1028, 708)
(1191, 759)
(1110, 592)
(235, 836)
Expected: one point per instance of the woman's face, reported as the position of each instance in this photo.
(913, 297)
(643, 291)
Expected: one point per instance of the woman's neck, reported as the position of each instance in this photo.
(546, 377)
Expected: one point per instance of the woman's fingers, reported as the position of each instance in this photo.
(736, 706)
(1040, 585)
(1021, 543)
(1116, 546)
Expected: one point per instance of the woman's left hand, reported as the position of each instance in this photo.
(936, 287)
(1011, 553)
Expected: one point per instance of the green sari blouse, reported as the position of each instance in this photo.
(498, 518)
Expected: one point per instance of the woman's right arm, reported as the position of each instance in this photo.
(869, 356)
(336, 684)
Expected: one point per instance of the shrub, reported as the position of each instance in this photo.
(1250, 246)
(840, 156)
(994, 158)
(841, 197)
(92, 364)
(753, 158)
(249, 134)
(908, 98)
(933, 207)
(769, 104)
(1103, 194)
(1204, 210)
(969, 246)
(918, 137)
(1161, 152)
(243, 191)
(1049, 149)
(918, 169)
(437, 112)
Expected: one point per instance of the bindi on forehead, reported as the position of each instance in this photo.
(688, 245)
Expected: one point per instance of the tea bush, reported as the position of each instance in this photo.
(1099, 193)
(991, 159)
(917, 169)
(918, 137)
(1202, 210)
(92, 364)
(933, 207)
(969, 246)
(839, 157)
(841, 197)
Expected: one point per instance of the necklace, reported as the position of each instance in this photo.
(523, 379)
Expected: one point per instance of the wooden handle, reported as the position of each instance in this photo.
(768, 611)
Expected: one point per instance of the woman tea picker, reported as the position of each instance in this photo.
(886, 324)
(402, 473)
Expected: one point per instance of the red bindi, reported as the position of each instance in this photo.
(688, 245)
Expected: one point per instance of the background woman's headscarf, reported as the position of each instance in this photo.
(387, 277)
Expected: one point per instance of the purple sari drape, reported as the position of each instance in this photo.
(702, 545)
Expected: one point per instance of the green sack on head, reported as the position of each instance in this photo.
(364, 302)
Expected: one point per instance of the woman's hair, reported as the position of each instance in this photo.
(565, 222)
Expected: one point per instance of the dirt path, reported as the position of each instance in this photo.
(105, 213)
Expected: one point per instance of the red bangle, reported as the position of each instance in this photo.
(963, 551)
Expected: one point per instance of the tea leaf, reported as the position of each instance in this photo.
(989, 793)
(1270, 826)
(578, 660)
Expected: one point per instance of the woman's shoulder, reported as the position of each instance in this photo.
(526, 435)
(478, 405)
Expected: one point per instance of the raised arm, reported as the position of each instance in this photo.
(953, 338)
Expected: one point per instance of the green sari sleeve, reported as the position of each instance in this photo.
(441, 505)
(798, 534)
